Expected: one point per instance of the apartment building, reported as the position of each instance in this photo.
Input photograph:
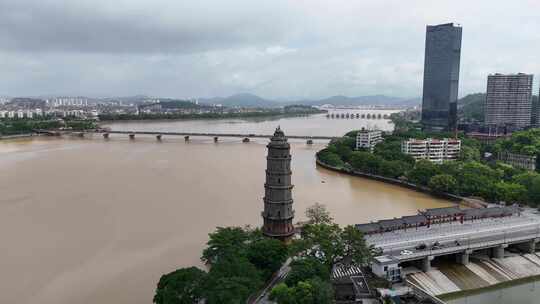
(434, 150)
(367, 139)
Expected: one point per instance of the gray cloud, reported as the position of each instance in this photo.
(273, 48)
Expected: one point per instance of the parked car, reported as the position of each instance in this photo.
(406, 252)
(421, 246)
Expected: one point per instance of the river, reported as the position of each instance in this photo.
(85, 220)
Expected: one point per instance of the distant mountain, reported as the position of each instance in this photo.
(372, 100)
(250, 100)
(242, 100)
(471, 107)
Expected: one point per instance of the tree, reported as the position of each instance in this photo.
(303, 269)
(231, 280)
(469, 154)
(443, 183)
(394, 168)
(317, 214)
(365, 162)
(313, 291)
(224, 242)
(330, 158)
(479, 180)
(534, 191)
(422, 172)
(322, 242)
(329, 244)
(183, 286)
(354, 245)
(267, 255)
(510, 192)
(282, 294)
(233, 290)
(303, 293)
(323, 293)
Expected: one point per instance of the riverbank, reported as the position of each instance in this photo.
(469, 202)
(15, 136)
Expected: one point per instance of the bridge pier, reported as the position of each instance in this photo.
(463, 258)
(426, 263)
(131, 136)
(216, 139)
(106, 135)
(498, 252)
(186, 138)
(158, 137)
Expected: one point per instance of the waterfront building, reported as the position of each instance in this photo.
(434, 150)
(509, 100)
(278, 212)
(20, 114)
(441, 77)
(367, 139)
(527, 162)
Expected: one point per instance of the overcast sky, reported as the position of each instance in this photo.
(272, 48)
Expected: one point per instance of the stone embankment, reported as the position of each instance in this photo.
(2, 137)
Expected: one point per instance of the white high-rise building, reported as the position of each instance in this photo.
(367, 139)
(434, 150)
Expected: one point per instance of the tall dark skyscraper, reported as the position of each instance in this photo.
(278, 213)
(441, 77)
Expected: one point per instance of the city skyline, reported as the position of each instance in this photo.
(185, 50)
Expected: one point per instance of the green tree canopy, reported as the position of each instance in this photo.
(183, 286)
(510, 192)
(318, 214)
(267, 254)
(303, 269)
(422, 172)
(224, 242)
(314, 291)
(443, 183)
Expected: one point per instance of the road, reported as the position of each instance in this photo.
(470, 235)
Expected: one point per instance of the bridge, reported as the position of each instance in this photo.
(187, 135)
(358, 115)
(452, 235)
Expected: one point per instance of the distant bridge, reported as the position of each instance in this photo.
(187, 135)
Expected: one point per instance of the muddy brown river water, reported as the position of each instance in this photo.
(95, 221)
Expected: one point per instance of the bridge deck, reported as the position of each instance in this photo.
(194, 134)
(456, 237)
